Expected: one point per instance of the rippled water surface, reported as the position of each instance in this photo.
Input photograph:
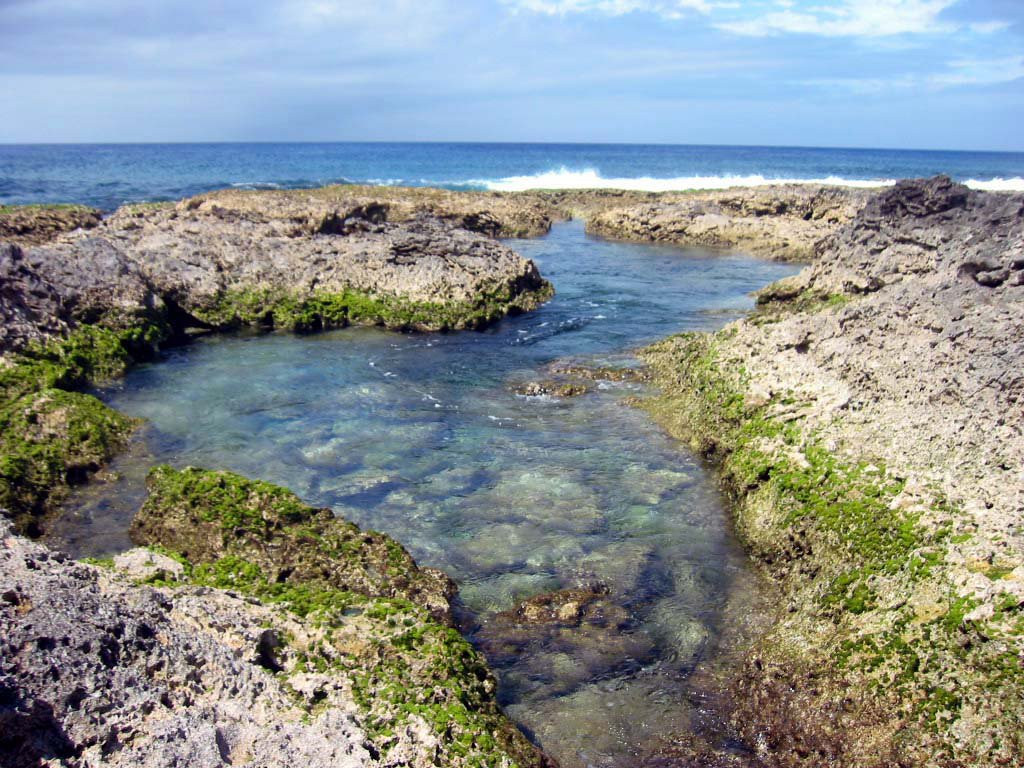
(420, 436)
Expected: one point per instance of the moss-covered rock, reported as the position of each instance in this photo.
(49, 440)
(873, 660)
(292, 311)
(52, 436)
(207, 516)
(358, 618)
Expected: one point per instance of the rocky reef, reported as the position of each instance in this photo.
(285, 636)
(867, 422)
(781, 222)
(33, 224)
(260, 632)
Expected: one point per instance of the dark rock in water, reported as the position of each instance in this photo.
(550, 389)
(597, 372)
(586, 634)
(567, 607)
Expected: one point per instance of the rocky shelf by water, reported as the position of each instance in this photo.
(866, 421)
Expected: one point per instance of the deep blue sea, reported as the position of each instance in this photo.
(107, 175)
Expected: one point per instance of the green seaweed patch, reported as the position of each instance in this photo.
(91, 355)
(851, 559)
(52, 434)
(49, 440)
(231, 501)
(407, 664)
(282, 310)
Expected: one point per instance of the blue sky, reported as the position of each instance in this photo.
(873, 73)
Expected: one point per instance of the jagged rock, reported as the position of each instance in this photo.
(33, 224)
(780, 222)
(31, 310)
(304, 267)
(870, 428)
(95, 671)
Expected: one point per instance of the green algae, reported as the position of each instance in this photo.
(51, 434)
(406, 665)
(206, 515)
(849, 558)
(231, 501)
(269, 308)
(49, 440)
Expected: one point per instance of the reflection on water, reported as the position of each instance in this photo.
(421, 437)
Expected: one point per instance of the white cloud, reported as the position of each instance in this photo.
(670, 9)
(981, 72)
(848, 18)
(960, 72)
(988, 27)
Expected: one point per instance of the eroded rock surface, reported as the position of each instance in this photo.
(288, 640)
(868, 420)
(781, 222)
(31, 309)
(286, 263)
(33, 224)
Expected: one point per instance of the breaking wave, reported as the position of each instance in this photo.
(565, 178)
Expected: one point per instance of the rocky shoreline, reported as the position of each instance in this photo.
(866, 421)
(259, 631)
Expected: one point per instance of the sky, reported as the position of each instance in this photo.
(930, 74)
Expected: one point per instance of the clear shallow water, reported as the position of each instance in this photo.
(419, 436)
(108, 175)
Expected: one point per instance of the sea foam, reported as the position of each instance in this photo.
(565, 178)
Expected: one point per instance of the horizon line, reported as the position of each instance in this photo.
(500, 143)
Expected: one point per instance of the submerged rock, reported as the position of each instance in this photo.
(550, 389)
(553, 643)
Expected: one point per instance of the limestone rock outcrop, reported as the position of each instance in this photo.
(868, 420)
(778, 222)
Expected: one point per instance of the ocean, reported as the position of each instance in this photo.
(108, 175)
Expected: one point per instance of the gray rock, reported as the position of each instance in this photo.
(781, 222)
(31, 309)
(95, 671)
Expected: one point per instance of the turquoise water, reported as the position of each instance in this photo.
(422, 437)
(107, 175)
